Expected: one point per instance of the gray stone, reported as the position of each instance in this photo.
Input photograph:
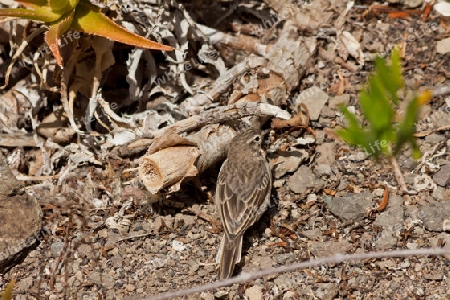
(327, 112)
(434, 138)
(320, 136)
(289, 295)
(323, 249)
(391, 221)
(24, 284)
(112, 238)
(186, 220)
(285, 281)
(288, 162)
(327, 291)
(221, 294)
(327, 153)
(254, 293)
(395, 200)
(314, 99)
(335, 102)
(86, 250)
(206, 296)
(117, 261)
(343, 184)
(104, 280)
(57, 247)
(443, 46)
(285, 258)
(442, 177)
(313, 234)
(323, 170)
(304, 181)
(409, 178)
(267, 262)
(392, 218)
(435, 215)
(440, 193)
(351, 207)
(59, 287)
(434, 275)
(385, 240)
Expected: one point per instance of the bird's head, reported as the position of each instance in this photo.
(247, 141)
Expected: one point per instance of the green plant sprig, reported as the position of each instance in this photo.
(378, 103)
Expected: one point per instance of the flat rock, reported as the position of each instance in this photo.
(391, 221)
(288, 162)
(254, 293)
(323, 170)
(435, 138)
(440, 193)
(264, 262)
(327, 153)
(324, 249)
(351, 207)
(327, 291)
(289, 295)
(443, 46)
(442, 177)
(20, 217)
(104, 280)
(284, 282)
(313, 234)
(206, 296)
(434, 216)
(304, 180)
(335, 102)
(314, 99)
(184, 220)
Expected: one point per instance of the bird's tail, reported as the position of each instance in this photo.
(229, 254)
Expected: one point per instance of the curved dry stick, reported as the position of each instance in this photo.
(399, 177)
(335, 259)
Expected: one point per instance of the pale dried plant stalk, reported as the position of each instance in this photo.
(335, 259)
(172, 158)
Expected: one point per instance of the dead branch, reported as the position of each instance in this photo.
(172, 158)
(214, 116)
(225, 113)
(195, 104)
(335, 259)
(168, 167)
(19, 140)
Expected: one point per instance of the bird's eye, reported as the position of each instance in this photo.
(257, 138)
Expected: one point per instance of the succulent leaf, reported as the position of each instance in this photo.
(81, 15)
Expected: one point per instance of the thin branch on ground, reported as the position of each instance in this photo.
(399, 177)
(335, 259)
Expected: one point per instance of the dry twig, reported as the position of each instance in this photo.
(335, 259)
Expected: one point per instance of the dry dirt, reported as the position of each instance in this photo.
(104, 238)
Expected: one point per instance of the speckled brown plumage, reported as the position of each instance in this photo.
(242, 195)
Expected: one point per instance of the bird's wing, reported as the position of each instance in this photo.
(242, 195)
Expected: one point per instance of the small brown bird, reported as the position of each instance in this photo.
(242, 195)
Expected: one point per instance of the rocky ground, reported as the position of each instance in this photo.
(105, 239)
